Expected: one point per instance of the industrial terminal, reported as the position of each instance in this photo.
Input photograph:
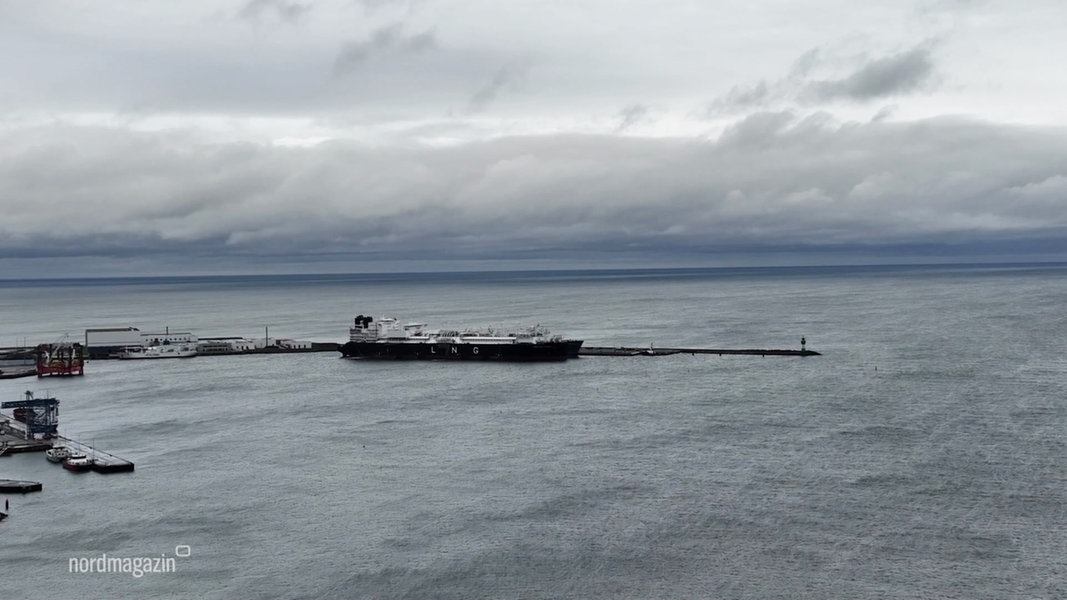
(67, 358)
(31, 423)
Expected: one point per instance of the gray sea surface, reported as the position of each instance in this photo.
(923, 455)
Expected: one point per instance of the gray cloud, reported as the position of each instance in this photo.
(286, 11)
(373, 5)
(186, 102)
(631, 115)
(884, 113)
(508, 77)
(741, 99)
(773, 181)
(354, 53)
(893, 75)
(805, 64)
(420, 42)
(898, 74)
(927, 7)
(390, 38)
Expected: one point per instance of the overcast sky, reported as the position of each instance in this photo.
(361, 135)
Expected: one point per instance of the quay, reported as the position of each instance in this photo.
(16, 438)
(14, 486)
(653, 351)
(50, 367)
(218, 347)
(29, 371)
(16, 372)
(103, 462)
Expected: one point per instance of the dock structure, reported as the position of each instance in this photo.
(654, 351)
(103, 462)
(38, 418)
(17, 436)
(14, 486)
(17, 362)
(17, 371)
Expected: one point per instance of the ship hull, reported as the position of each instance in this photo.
(534, 352)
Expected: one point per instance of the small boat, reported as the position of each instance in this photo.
(78, 463)
(57, 454)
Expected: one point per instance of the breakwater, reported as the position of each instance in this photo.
(653, 351)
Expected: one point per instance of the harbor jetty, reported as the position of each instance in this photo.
(211, 348)
(103, 462)
(33, 427)
(17, 372)
(132, 343)
(15, 486)
(17, 362)
(654, 351)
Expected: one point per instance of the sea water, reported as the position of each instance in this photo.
(921, 456)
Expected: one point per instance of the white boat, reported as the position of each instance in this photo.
(57, 454)
(162, 351)
(78, 463)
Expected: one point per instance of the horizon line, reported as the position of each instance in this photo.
(560, 270)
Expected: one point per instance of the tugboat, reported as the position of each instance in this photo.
(78, 463)
(386, 338)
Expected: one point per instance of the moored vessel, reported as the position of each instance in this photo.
(78, 463)
(183, 350)
(57, 454)
(386, 338)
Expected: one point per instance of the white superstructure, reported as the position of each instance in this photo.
(162, 351)
(389, 329)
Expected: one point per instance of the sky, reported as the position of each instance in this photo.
(285, 136)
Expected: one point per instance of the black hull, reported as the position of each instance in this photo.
(539, 352)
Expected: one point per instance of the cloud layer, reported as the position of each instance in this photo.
(281, 130)
(771, 181)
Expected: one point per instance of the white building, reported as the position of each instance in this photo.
(292, 344)
(157, 339)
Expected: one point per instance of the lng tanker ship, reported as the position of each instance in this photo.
(386, 338)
